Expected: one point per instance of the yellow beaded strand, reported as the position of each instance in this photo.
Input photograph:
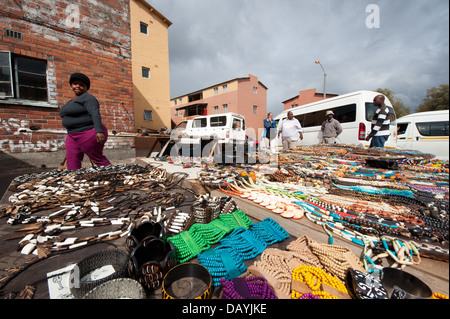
(314, 277)
(438, 295)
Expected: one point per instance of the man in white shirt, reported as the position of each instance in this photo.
(291, 130)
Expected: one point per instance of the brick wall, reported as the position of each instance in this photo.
(99, 46)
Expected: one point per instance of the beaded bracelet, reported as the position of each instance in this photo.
(245, 242)
(236, 219)
(198, 238)
(149, 262)
(212, 232)
(247, 288)
(269, 231)
(222, 262)
(188, 245)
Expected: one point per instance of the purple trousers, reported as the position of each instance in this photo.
(80, 143)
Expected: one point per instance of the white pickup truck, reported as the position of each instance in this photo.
(223, 132)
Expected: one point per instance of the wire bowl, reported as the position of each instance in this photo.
(120, 288)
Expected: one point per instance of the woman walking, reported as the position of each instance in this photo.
(85, 132)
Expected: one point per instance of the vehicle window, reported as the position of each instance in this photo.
(344, 114)
(237, 124)
(313, 119)
(401, 128)
(196, 123)
(218, 121)
(433, 128)
(371, 109)
(182, 125)
(300, 118)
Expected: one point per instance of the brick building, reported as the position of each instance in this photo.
(305, 97)
(42, 42)
(246, 96)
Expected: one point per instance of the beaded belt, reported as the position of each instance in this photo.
(179, 278)
(149, 262)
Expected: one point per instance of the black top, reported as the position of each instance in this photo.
(81, 114)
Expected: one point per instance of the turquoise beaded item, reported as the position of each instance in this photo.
(245, 242)
(269, 231)
(222, 262)
(227, 260)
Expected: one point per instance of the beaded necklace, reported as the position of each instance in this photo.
(314, 277)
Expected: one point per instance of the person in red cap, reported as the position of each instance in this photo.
(85, 132)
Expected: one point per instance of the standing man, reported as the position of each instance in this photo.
(291, 130)
(380, 123)
(331, 128)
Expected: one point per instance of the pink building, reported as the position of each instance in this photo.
(246, 96)
(305, 97)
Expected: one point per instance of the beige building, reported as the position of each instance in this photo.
(150, 66)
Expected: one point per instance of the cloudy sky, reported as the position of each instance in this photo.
(402, 45)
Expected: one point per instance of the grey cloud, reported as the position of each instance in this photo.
(213, 41)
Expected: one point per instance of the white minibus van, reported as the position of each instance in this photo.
(426, 132)
(353, 110)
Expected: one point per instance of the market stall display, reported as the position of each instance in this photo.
(392, 205)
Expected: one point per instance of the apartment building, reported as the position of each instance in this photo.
(150, 65)
(305, 97)
(246, 96)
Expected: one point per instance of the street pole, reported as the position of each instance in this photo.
(324, 80)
